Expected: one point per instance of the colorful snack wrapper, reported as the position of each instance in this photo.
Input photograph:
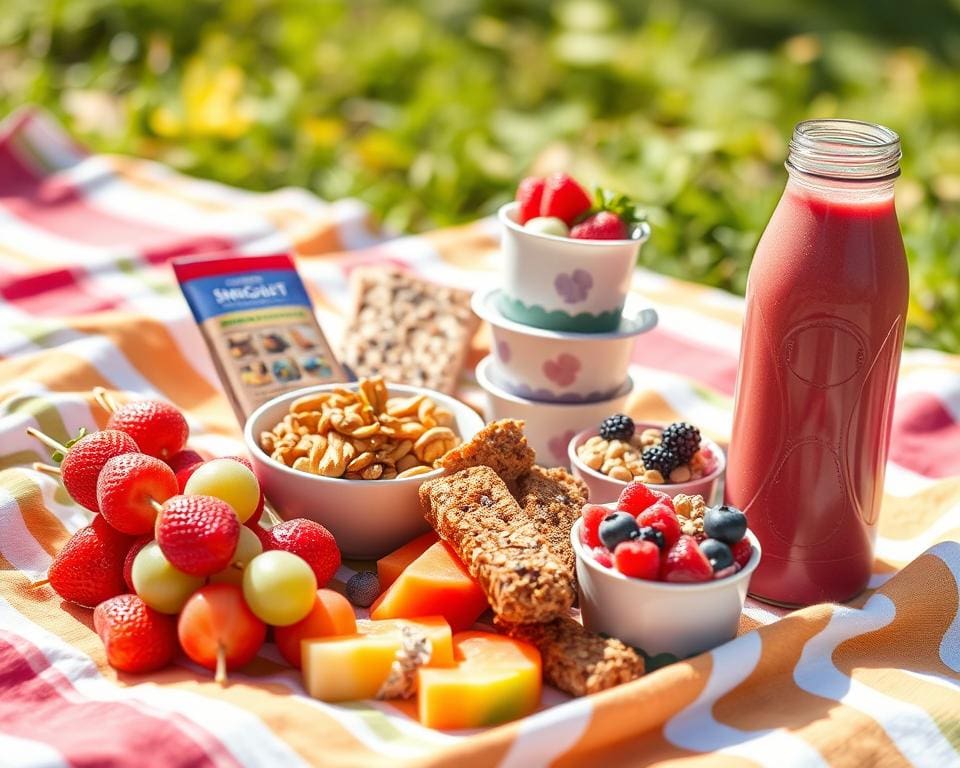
(259, 325)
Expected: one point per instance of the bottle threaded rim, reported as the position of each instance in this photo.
(845, 150)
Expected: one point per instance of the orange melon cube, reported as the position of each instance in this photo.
(391, 566)
(353, 667)
(496, 680)
(435, 584)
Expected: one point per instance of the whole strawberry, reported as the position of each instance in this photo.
(529, 195)
(604, 225)
(198, 534)
(81, 466)
(129, 488)
(89, 567)
(182, 459)
(564, 199)
(157, 427)
(135, 637)
(684, 562)
(312, 542)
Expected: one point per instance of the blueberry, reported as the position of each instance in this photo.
(649, 533)
(726, 523)
(717, 553)
(616, 528)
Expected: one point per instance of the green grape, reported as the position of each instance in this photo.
(159, 584)
(229, 481)
(279, 587)
(248, 547)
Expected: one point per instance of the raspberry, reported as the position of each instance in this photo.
(617, 427)
(684, 562)
(682, 439)
(593, 515)
(662, 518)
(603, 556)
(661, 459)
(639, 559)
(636, 497)
(742, 552)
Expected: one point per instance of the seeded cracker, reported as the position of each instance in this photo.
(576, 661)
(408, 330)
(473, 511)
(501, 445)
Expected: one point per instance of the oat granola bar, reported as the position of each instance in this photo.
(553, 499)
(408, 330)
(473, 511)
(501, 445)
(576, 661)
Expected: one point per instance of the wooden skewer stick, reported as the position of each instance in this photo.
(37, 584)
(220, 675)
(272, 516)
(47, 469)
(47, 440)
(105, 399)
(157, 506)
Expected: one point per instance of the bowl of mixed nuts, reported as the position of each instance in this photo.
(673, 458)
(353, 456)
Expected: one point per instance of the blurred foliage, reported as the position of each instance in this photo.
(431, 111)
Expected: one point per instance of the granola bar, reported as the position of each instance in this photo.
(576, 661)
(501, 445)
(553, 499)
(409, 330)
(473, 511)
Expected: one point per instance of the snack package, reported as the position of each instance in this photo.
(258, 322)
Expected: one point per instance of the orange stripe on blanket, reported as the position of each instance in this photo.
(646, 704)
(687, 296)
(769, 698)
(150, 349)
(904, 517)
(137, 173)
(43, 525)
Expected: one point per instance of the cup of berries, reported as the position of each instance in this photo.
(672, 459)
(666, 576)
(568, 257)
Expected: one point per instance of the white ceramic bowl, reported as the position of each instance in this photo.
(656, 616)
(368, 518)
(549, 426)
(560, 366)
(604, 489)
(564, 284)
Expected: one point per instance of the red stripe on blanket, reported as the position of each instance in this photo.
(55, 293)
(86, 732)
(665, 351)
(925, 437)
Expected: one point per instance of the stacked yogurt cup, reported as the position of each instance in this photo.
(563, 332)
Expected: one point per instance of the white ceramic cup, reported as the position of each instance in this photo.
(564, 284)
(605, 489)
(560, 366)
(657, 616)
(368, 518)
(549, 426)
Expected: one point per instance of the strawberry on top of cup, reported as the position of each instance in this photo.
(558, 205)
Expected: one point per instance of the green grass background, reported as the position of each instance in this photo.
(431, 111)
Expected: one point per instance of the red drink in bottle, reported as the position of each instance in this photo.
(826, 303)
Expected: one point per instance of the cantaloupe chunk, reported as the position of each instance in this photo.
(496, 680)
(353, 667)
(391, 566)
(435, 584)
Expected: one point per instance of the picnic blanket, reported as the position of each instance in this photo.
(87, 298)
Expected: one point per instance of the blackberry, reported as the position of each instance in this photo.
(617, 427)
(363, 588)
(661, 459)
(682, 439)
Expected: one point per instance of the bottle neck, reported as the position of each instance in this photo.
(844, 160)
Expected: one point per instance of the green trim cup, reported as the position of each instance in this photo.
(561, 283)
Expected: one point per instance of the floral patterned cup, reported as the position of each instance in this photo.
(557, 366)
(562, 284)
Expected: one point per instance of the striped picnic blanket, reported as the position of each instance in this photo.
(87, 299)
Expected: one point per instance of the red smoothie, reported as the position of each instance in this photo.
(826, 303)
